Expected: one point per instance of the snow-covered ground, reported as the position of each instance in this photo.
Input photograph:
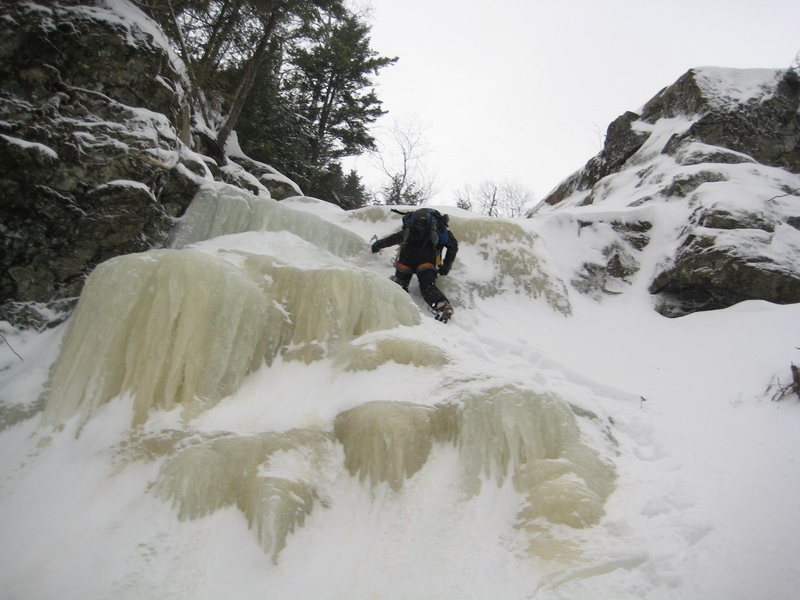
(702, 469)
(544, 444)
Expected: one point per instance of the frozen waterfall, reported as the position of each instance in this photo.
(252, 287)
(168, 327)
(224, 209)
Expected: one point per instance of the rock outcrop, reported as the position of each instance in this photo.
(765, 127)
(621, 142)
(98, 152)
(726, 256)
(725, 145)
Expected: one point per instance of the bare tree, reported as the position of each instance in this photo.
(514, 199)
(507, 199)
(400, 157)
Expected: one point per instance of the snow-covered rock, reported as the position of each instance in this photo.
(721, 146)
(97, 146)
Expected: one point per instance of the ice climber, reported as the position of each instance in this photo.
(423, 237)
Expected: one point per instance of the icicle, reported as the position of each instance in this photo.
(275, 507)
(224, 209)
(533, 438)
(332, 304)
(183, 328)
(386, 441)
(233, 470)
(169, 327)
(370, 355)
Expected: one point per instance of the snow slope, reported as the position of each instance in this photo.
(544, 444)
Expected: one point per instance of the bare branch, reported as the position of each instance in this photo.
(400, 156)
(506, 200)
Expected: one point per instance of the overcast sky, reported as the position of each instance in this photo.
(524, 90)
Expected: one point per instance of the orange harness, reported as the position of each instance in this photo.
(406, 269)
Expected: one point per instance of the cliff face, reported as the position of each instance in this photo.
(98, 153)
(723, 145)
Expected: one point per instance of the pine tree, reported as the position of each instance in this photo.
(333, 185)
(354, 192)
(293, 77)
(229, 42)
(333, 80)
(315, 107)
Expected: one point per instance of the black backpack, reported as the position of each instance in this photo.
(425, 226)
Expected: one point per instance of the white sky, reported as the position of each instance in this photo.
(524, 90)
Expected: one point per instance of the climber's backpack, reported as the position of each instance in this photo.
(425, 226)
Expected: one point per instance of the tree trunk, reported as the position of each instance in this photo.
(328, 102)
(195, 91)
(246, 84)
(219, 33)
(493, 203)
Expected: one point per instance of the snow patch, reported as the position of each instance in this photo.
(46, 151)
(731, 88)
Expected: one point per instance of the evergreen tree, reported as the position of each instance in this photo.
(273, 130)
(333, 79)
(343, 190)
(293, 77)
(315, 108)
(354, 192)
(333, 76)
(227, 44)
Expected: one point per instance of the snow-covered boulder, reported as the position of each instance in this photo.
(728, 256)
